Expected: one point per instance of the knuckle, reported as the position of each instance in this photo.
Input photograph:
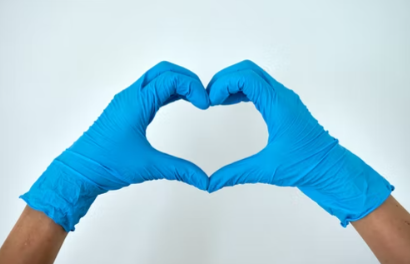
(249, 63)
(165, 65)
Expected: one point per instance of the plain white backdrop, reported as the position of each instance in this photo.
(61, 62)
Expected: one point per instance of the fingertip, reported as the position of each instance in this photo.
(174, 168)
(202, 102)
(204, 107)
(196, 177)
(165, 64)
(217, 181)
(216, 101)
(203, 187)
(248, 63)
(201, 180)
(213, 188)
(240, 172)
(218, 94)
(198, 96)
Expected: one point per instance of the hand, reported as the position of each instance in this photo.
(299, 151)
(115, 152)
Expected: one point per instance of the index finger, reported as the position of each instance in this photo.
(252, 85)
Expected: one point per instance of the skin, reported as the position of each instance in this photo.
(387, 232)
(37, 239)
(34, 239)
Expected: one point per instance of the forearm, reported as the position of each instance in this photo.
(387, 232)
(113, 153)
(34, 239)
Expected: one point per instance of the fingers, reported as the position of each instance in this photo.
(169, 84)
(233, 87)
(240, 172)
(164, 67)
(240, 66)
(236, 69)
(172, 168)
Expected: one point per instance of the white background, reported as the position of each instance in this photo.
(61, 62)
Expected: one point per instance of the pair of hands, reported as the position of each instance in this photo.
(115, 152)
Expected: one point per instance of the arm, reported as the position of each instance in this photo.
(387, 232)
(301, 153)
(113, 153)
(35, 239)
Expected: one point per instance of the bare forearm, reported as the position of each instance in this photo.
(34, 239)
(387, 232)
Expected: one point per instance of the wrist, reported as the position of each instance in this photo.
(63, 192)
(352, 188)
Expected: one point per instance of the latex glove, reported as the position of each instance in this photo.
(299, 151)
(115, 152)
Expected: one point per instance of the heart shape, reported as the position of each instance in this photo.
(115, 152)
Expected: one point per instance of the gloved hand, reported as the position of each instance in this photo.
(115, 152)
(299, 151)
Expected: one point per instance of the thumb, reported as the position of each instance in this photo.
(173, 168)
(248, 170)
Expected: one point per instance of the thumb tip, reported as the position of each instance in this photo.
(197, 177)
(202, 103)
(203, 106)
(203, 186)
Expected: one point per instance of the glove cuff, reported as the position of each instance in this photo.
(356, 189)
(62, 192)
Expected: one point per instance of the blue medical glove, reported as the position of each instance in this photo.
(115, 152)
(299, 151)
